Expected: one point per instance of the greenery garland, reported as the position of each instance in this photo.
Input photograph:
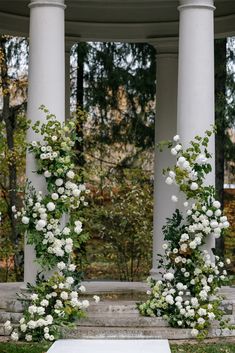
(54, 302)
(187, 295)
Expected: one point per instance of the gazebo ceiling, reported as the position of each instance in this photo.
(116, 20)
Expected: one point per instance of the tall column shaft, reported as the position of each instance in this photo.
(165, 129)
(46, 85)
(196, 74)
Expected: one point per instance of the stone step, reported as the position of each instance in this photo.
(13, 317)
(106, 306)
(121, 321)
(138, 332)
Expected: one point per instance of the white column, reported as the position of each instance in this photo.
(46, 85)
(196, 74)
(165, 129)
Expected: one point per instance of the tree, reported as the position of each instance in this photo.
(224, 116)
(13, 89)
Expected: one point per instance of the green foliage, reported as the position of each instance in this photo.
(121, 220)
(217, 347)
(6, 347)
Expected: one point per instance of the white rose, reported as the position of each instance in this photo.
(25, 220)
(209, 213)
(226, 224)
(41, 224)
(77, 230)
(96, 298)
(59, 182)
(173, 152)
(192, 245)
(31, 324)
(60, 190)
(66, 231)
(169, 276)
(34, 297)
(201, 159)
(47, 174)
(85, 303)
(14, 336)
(201, 321)
(23, 328)
(211, 316)
(72, 267)
(70, 174)
(40, 310)
(169, 299)
(181, 160)
(176, 138)
(82, 289)
(214, 224)
(216, 204)
(44, 302)
(64, 295)
(50, 206)
(169, 181)
(186, 165)
(49, 319)
(178, 147)
(202, 312)
(76, 192)
(74, 302)
(82, 187)
(7, 325)
(194, 186)
(194, 332)
(28, 338)
(69, 280)
(54, 196)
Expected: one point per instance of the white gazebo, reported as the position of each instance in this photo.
(182, 33)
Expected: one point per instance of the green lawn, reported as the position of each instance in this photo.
(184, 348)
(23, 347)
(204, 348)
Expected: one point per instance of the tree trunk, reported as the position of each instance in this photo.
(220, 104)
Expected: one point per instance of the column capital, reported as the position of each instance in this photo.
(53, 3)
(206, 4)
(165, 46)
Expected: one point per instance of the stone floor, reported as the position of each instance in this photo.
(116, 315)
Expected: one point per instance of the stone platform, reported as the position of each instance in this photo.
(110, 346)
(116, 315)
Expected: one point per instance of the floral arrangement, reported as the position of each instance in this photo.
(187, 295)
(54, 302)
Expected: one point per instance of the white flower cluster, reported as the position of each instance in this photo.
(57, 298)
(188, 296)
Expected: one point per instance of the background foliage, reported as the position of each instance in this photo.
(115, 84)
